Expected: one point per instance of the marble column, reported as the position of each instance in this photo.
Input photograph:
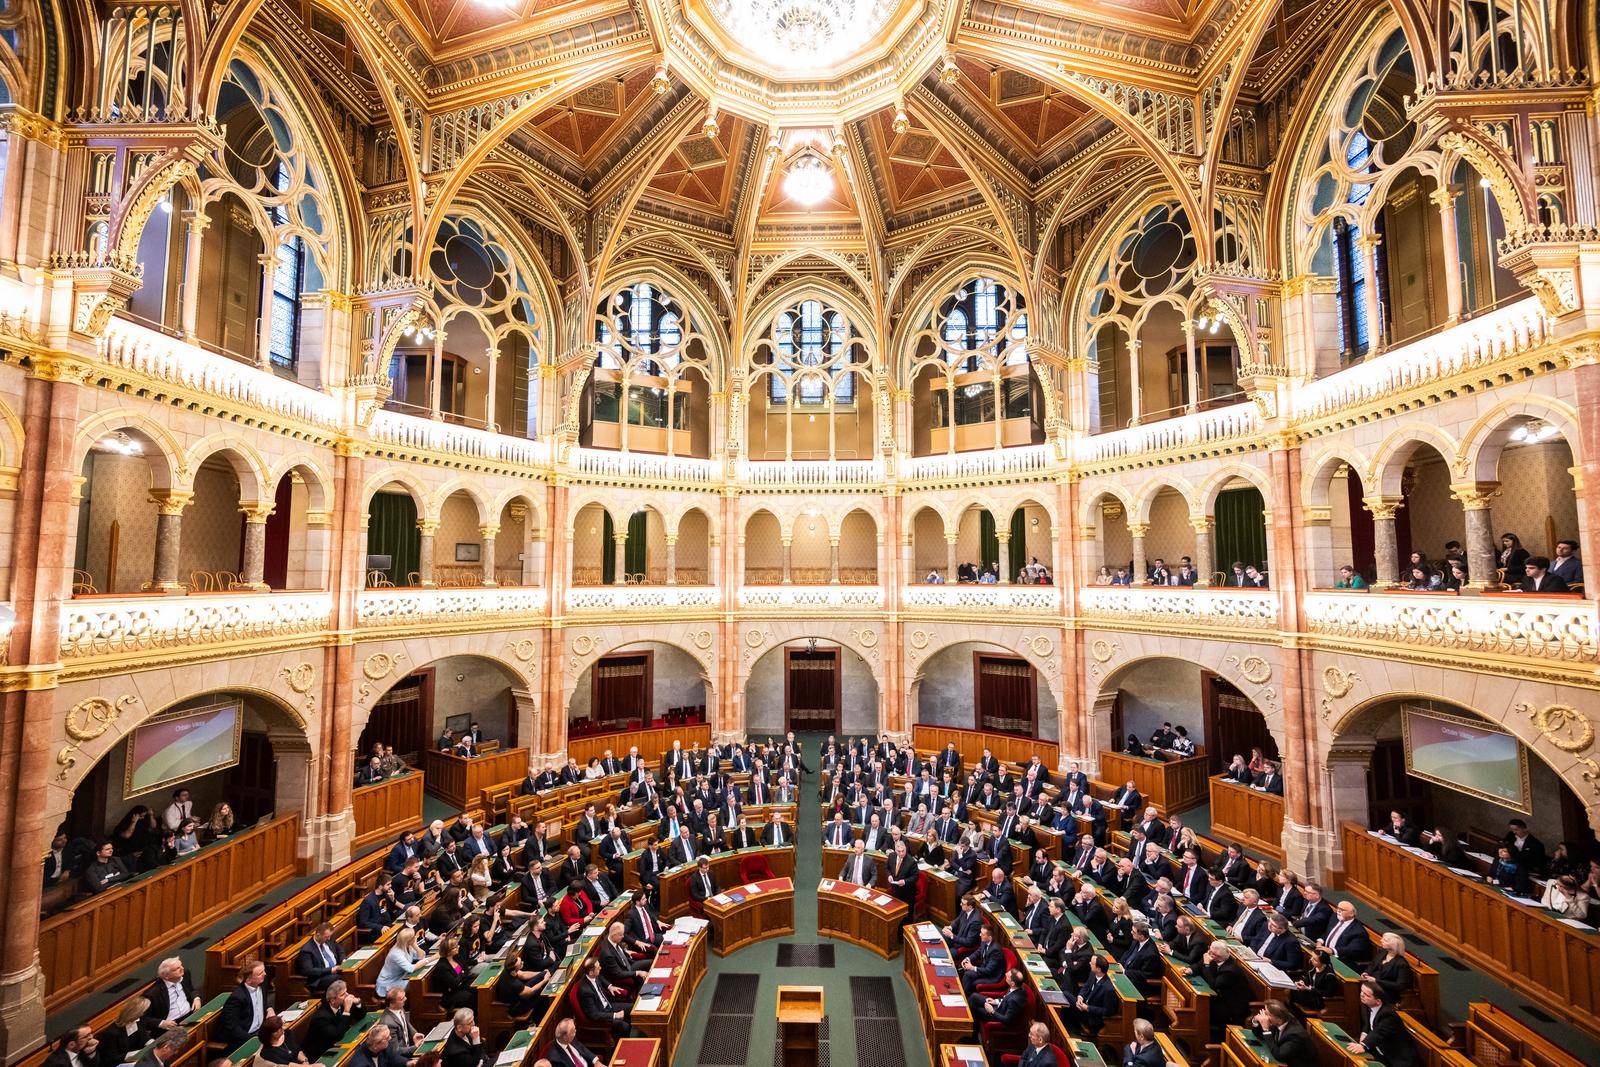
(1204, 565)
(788, 543)
(672, 559)
(1445, 201)
(950, 562)
(194, 242)
(425, 552)
(1368, 244)
(488, 533)
(269, 267)
(1136, 531)
(1003, 539)
(833, 561)
(1385, 546)
(169, 540)
(619, 557)
(255, 545)
(1481, 556)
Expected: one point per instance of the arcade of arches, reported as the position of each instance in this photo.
(405, 403)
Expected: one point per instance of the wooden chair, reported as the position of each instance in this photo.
(202, 582)
(83, 584)
(377, 579)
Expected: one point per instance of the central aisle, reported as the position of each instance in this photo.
(760, 963)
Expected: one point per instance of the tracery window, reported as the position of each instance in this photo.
(972, 370)
(807, 339)
(647, 364)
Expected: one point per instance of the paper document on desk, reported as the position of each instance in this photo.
(952, 1000)
(721, 898)
(511, 1055)
(659, 973)
(927, 932)
(751, 890)
(1576, 924)
(675, 937)
(691, 924)
(1272, 975)
(862, 894)
(647, 1004)
(883, 901)
(440, 1032)
(826, 884)
(289, 1016)
(969, 1054)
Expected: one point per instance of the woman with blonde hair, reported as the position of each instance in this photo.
(480, 879)
(221, 822)
(403, 955)
(128, 1034)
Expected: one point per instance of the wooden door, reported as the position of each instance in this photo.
(252, 787)
(403, 718)
(1390, 788)
(1233, 724)
(811, 689)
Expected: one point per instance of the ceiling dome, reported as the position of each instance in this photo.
(798, 35)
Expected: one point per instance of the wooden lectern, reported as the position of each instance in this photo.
(800, 1024)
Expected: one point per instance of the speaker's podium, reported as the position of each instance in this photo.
(800, 1024)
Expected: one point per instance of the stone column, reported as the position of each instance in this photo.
(1087, 558)
(1136, 531)
(425, 552)
(787, 560)
(190, 297)
(1385, 547)
(488, 533)
(950, 562)
(169, 539)
(1204, 565)
(1003, 539)
(269, 266)
(1445, 201)
(1481, 556)
(1192, 366)
(1368, 244)
(1135, 384)
(833, 561)
(672, 559)
(619, 557)
(255, 545)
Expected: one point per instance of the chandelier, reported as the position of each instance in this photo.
(802, 34)
(808, 181)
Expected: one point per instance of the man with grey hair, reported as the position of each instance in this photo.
(330, 1021)
(377, 1050)
(464, 1046)
(166, 1049)
(171, 996)
(567, 1052)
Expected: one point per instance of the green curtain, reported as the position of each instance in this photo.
(634, 556)
(392, 531)
(1018, 549)
(989, 544)
(1241, 534)
(608, 551)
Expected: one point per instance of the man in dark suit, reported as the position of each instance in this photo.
(537, 887)
(860, 868)
(378, 1050)
(1383, 1036)
(246, 1008)
(171, 996)
(1217, 898)
(1130, 800)
(1280, 947)
(1283, 1035)
(1143, 1051)
(1347, 938)
(1251, 925)
(167, 1048)
(838, 834)
(1097, 997)
(1091, 912)
(1038, 1052)
(318, 960)
(962, 933)
(701, 883)
(616, 965)
(985, 965)
(999, 892)
(77, 1048)
(378, 909)
(330, 1020)
(1316, 915)
(1142, 960)
(1230, 1002)
(597, 999)
(963, 863)
(566, 1052)
(1538, 579)
(777, 834)
(1004, 1009)
(464, 1047)
(1269, 780)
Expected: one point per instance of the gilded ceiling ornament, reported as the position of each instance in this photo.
(86, 721)
(1564, 726)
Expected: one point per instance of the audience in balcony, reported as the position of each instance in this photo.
(1567, 566)
(934, 578)
(1246, 576)
(1349, 578)
(1423, 578)
(1538, 578)
(1512, 555)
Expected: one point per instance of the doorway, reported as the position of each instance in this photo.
(811, 689)
(403, 718)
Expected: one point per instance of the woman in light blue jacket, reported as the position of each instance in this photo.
(401, 959)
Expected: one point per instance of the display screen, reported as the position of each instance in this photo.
(183, 746)
(1467, 756)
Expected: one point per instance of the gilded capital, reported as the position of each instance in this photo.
(1138, 529)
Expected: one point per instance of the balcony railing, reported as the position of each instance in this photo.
(115, 625)
(142, 350)
(1473, 343)
(410, 607)
(642, 466)
(1008, 599)
(1165, 605)
(1200, 429)
(811, 474)
(411, 431)
(1553, 628)
(606, 598)
(784, 597)
(1025, 460)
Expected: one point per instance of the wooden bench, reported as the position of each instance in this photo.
(1492, 1037)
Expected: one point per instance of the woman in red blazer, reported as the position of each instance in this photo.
(575, 908)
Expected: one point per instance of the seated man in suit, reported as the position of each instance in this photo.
(171, 997)
(1316, 916)
(962, 862)
(1004, 1009)
(1269, 780)
(1383, 1036)
(999, 892)
(1143, 1051)
(777, 833)
(378, 909)
(246, 1008)
(598, 1000)
(1538, 579)
(318, 960)
(617, 965)
(962, 933)
(702, 884)
(1038, 1052)
(1278, 1029)
(1097, 997)
(464, 1047)
(566, 1051)
(1280, 947)
(1347, 938)
(330, 1020)
(77, 1048)
(985, 965)
(1230, 1001)
(378, 1050)
(1142, 960)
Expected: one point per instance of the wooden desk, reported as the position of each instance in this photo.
(801, 1009)
(460, 782)
(1494, 1036)
(1530, 948)
(1242, 1048)
(968, 1055)
(1173, 787)
(745, 914)
(1330, 1040)
(724, 868)
(667, 1020)
(652, 743)
(941, 900)
(1007, 748)
(386, 808)
(106, 934)
(942, 1023)
(873, 922)
(1249, 816)
(637, 1052)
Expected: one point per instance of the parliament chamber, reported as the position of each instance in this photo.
(920, 533)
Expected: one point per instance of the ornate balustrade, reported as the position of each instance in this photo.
(427, 435)
(641, 466)
(115, 626)
(1551, 629)
(614, 598)
(1474, 343)
(141, 350)
(414, 607)
(1030, 459)
(987, 599)
(826, 597)
(811, 474)
(1199, 430)
(1166, 606)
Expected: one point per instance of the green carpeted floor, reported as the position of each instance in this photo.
(761, 961)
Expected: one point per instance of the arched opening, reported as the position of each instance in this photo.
(855, 562)
(811, 684)
(296, 540)
(1431, 527)
(516, 553)
(1113, 541)
(226, 759)
(1239, 535)
(211, 556)
(1148, 694)
(606, 552)
(932, 557)
(1446, 767)
(766, 557)
(689, 557)
(1532, 464)
(1346, 540)
(650, 389)
(810, 393)
(394, 539)
(1479, 229)
(451, 694)
(1169, 541)
(1030, 547)
(118, 519)
(636, 686)
(459, 542)
(974, 685)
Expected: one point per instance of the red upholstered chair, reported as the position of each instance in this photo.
(919, 910)
(998, 989)
(1011, 1059)
(1000, 1038)
(596, 1035)
(697, 908)
(754, 869)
